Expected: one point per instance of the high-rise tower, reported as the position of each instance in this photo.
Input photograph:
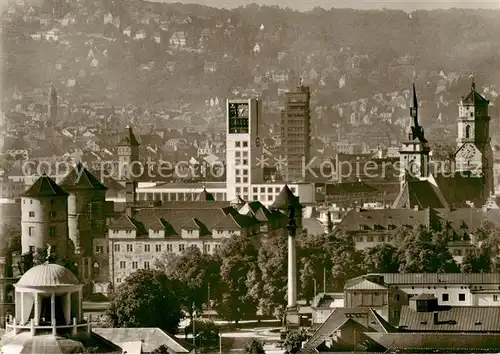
(243, 147)
(53, 110)
(414, 153)
(296, 133)
(474, 154)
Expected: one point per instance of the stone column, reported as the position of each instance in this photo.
(67, 309)
(53, 312)
(22, 308)
(37, 309)
(292, 272)
(79, 304)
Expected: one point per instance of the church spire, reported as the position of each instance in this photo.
(473, 85)
(417, 131)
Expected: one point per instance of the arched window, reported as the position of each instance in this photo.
(467, 131)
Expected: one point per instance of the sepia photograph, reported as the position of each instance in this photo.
(249, 177)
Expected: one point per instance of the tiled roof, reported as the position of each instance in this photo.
(423, 297)
(124, 222)
(439, 278)
(474, 97)
(452, 319)
(366, 285)
(422, 194)
(285, 199)
(81, 178)
(459, 188)
(235, 220)
(45, 187)
(349, 188)
(339, 317)
(382, 217)
(436, 340)
(152, 338)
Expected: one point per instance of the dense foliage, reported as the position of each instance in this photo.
(255, 347)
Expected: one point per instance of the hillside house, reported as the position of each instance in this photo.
(178, 39)
(140, 35)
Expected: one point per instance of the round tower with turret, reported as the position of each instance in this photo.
(44, 218)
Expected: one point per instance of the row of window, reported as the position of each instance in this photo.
(52, 214)
(241, 153)
(52, 231)
(158, 248)
(239, 144)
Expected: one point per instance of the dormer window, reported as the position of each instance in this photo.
(128, 231)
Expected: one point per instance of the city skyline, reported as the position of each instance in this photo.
(408, 6)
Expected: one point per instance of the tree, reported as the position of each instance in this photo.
(478, 261)
(314, 258)
(422, 250)
(345, 259)
(255, 347)
(206, 331)
(382, 258)
(270, 281)
(238, 263)
(195, 272)
(293, 341)
(147, 298)
(162, 349)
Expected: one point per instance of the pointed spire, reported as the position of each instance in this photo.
(473, 84)
(414, 107)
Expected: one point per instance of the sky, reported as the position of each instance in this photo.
(306, 5)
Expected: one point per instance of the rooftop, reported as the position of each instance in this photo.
(48, 275)
(44, 187)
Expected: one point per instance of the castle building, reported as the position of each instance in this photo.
(44, 218)
(87, 211)
(296, 133)
(471, 181)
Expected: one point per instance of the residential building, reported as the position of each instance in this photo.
(387, 293)
(296, 133)
(142, 235)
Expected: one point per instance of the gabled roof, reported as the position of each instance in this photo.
(124, 222)
(422, 194)
(366, 285)
(128, 138)
(438, 278)
(81, 178)
(285, 199)
(459, 188)
(195, 224)
(44, 187)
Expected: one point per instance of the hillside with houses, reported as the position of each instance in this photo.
(167, 59)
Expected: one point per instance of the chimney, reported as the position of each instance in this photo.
(436, 317)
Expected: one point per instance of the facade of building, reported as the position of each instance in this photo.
(296, 134)
(128, 156)
(244, 152)
(387, 293)
(142, 235)
(44, 218)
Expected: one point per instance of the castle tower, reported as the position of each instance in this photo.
(414, 153)
(243, 147)
(474, 154)
(288, 204)
(128, 156)
(53, 110)
(86, 214)
(44, 218)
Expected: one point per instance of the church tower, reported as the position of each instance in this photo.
(53, 113)
(414, 153)
(474, 155)
(128, 156)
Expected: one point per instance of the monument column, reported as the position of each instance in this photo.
(292, 313)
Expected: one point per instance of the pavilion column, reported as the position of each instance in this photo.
(53, 312)
(22, 319)
(67, 309)
(79, 303)
(37, 309)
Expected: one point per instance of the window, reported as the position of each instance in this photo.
(181, 247)
(147, 248)
(134, 265)
(118, 280)
(170, 248)
(99, 249)
(206, 248)
(117, 248)
(495, 298)
(146, 265)
(238, 179)
(130, 248)
(245, 173)
(32, 249)
(31, 231)
(369, 239)
(237, 154)
(237, 172)
(262, 189)
(32, 214)
(158, 248)
(461, 297)
(397, 297)
(467, 131)
(237, 144)
(123, 264)
(255, 189)
(245, 179)
(52, 231)
(52, 214)
(245, 144)
(245, 162)
(446, 297)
